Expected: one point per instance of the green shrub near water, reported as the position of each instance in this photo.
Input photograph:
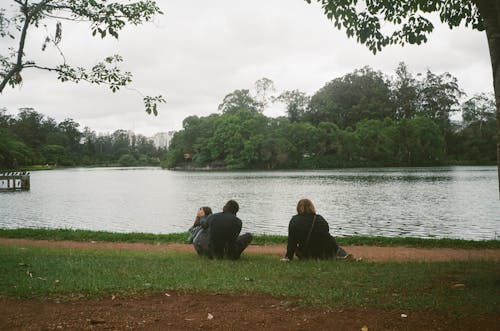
(259, 239)
(467, 287)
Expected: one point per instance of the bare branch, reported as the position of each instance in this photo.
(106, 19)
(18, 67)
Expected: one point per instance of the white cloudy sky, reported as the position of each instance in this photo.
(200, 51)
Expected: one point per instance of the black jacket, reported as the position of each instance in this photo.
(321, 244)
(223, 229)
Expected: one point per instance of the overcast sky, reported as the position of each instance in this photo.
(199, 51)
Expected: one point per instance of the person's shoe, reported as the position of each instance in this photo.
(349, 257)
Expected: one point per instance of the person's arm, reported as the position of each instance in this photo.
(205, 221)
(321, 224)
(239, 224)
(292, 240)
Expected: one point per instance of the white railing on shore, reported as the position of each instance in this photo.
(14, 180)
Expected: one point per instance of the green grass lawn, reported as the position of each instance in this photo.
(85, 235)
(468, 287)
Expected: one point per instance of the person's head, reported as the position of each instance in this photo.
(231, 207)
(206, 211)
(305, 206)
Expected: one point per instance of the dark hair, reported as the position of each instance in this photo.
(305, 206)
(207, 211)
(231, 206)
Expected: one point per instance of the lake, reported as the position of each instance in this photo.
(441, 202)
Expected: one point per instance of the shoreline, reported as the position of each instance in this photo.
(368, 253)
(79, 235)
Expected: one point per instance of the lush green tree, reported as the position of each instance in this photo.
(121, 143)
(362, 94)
(479, 109)
(328, 139)
(409, 22)
(69, 128)
(240, 99)
(477, 136)
(143, 147)
(419, 142)
(104, 149)
(368, 94)
(439, 96)
(278, 152)
(304, 136)
(55, 154)
(376, 141)
(405, 93)
(175, 154)
(296, 103)
(89, 146)
(13, 152)
(228, 139)
(31, 138)
(127, 160)
(264, 88)
(415, 135)
(433, 96)
(5, 119)
(106, 18)
(28, 127)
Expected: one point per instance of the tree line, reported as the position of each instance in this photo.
(364, 118)
(30, 138)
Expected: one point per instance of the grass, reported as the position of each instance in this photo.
(37, 272)
(85, 235)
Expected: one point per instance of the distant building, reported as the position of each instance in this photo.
(162, 139)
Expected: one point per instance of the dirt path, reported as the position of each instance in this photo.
(368, 253)
(190, 311)
(187, 311)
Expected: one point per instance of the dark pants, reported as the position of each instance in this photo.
(229, 249)
(330, 250)
(240, 244)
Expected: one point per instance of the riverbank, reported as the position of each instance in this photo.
(259, 239)
(367, 253)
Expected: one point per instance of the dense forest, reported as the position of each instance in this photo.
(32, 139)
(363, 118)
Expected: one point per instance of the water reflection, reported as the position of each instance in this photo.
(454, 202)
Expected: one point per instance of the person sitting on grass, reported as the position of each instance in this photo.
(309, 237)
(223, 233)
(198, 235)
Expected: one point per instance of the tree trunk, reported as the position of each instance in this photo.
(490, 13)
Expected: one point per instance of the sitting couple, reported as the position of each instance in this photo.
(217, 235)
(308, 234)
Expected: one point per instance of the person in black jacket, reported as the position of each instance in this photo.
(223, 232)
(309, 237)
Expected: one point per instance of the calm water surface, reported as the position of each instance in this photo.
(452, 202)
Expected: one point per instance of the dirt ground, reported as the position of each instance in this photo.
(367, 253)
(187, 311)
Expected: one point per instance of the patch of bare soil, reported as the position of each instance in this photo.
(187, 311)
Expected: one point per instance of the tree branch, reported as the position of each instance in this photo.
(18, 66)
